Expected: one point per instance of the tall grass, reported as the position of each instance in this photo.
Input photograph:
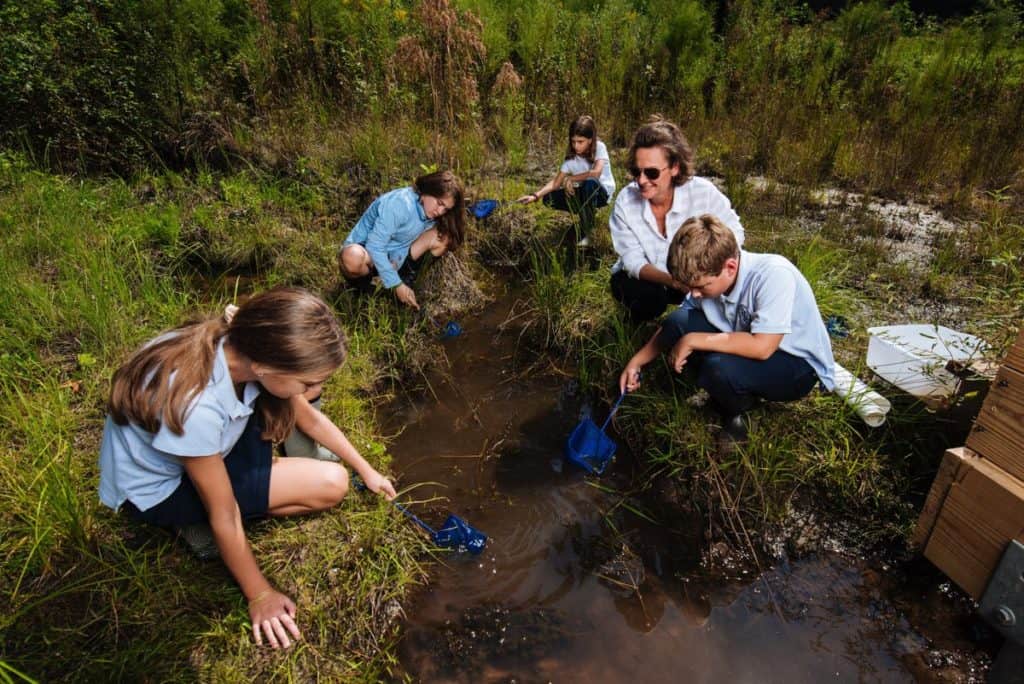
(873, 96)
(89, 271)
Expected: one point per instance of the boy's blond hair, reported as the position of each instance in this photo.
(700, 248)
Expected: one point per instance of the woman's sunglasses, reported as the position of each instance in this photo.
(651, 172)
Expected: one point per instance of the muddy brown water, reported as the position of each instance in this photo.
(581, 581)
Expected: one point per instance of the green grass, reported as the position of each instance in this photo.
(875, 99)
(90, 270)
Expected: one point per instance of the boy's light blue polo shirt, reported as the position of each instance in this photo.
(771, 295)
(143, 467)
(387, 230)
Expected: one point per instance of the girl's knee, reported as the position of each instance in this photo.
(439, 245)
(428, 241)
(354, 261)
(334, 484)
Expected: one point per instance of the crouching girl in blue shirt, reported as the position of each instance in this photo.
(399, 228)
(192, 418)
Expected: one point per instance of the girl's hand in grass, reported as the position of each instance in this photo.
(273, 615)
(527, 199)
(378, 484)
(407, 296)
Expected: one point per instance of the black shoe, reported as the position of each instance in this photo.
(737, 427)
(199, 538)
(734, 433)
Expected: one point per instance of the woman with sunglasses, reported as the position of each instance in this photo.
(648, 212)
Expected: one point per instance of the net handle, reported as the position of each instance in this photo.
(412, 516)
(614, 409)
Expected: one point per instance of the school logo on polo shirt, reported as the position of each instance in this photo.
(743, 318)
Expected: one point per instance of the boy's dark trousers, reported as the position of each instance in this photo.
(735, 383)
(588, 198)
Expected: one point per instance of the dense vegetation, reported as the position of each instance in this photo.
(161, 157)
(873, 95)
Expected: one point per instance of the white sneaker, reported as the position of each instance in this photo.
(301, 445)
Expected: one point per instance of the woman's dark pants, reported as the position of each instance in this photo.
(643, 299)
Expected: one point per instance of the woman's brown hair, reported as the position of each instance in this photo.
(659, 132)
(452, 224)
(287, 329)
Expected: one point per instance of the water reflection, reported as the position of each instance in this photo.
(575, 587)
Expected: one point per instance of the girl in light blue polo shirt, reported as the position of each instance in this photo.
(399, 228)
(584, 183)
(192, 418)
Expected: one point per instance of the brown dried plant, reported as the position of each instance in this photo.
(507, 81)
(445, 52)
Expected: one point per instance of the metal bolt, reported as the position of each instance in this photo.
(1005, 616)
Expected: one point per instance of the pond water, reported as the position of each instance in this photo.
(582, 581)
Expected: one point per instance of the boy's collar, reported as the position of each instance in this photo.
(732, 294)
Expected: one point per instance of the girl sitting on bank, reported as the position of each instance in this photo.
(192, 419)
(584, 183)
(399, 227)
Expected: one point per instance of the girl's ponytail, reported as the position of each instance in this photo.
(141, 391)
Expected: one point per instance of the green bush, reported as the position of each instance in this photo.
(874, 97)
(108, 84)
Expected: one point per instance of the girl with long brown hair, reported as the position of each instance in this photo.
(192, 419)
(584, 183)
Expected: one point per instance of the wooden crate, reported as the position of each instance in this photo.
(981, 512)
(998, 432)
(1015, 357)
(950, 470)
